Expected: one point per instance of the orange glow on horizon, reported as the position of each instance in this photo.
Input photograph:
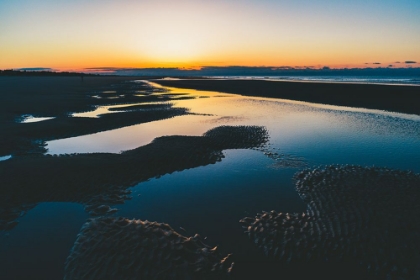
(190, 34)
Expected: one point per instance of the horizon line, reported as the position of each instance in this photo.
(409, 65)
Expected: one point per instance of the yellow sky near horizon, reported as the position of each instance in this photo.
(191, 33)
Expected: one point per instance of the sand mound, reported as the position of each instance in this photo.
(237, 137)
(364, 216)
(118, 248)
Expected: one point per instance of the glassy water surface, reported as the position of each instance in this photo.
(211, 199)
(31, 119)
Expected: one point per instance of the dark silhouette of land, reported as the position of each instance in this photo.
(43, 73)
(397, 98)
(60, 96)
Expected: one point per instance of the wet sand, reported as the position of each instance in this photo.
(142, 250)
(396, 98)
(365, 217)
(59, 97)
(49, 96)
(102, 178)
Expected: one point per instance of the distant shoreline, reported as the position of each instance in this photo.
(20, 73)
(395, 98)
(315, 79)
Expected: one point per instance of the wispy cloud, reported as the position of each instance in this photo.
(35, 69)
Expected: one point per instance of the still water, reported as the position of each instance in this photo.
(210, 200)
(31, 119)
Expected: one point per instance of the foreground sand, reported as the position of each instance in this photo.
(404, 99)
(338, 224)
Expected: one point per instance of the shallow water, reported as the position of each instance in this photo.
(211, 199)
(39, 245)
(102, 110)
(31, 119)
(322, 134)
(5, 157)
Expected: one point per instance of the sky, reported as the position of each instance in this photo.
(77, 34)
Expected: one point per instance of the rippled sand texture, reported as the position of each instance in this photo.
(100, 180)
(365, 216)
(118, 248)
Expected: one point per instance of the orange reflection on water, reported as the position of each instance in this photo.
(289, 122)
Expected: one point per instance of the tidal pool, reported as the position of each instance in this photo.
(211, 199)
(102, 110)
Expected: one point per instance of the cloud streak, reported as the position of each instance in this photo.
(35, 69)
(256, 71)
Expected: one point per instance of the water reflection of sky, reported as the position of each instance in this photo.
(320, 133)
(31, 119)
(244, 184)
(38, 247)
(2, 158)
(211, 199)
(102, 110)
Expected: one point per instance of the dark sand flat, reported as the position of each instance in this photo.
(102, 178)
(396, 98)
(49, 96)
(59, 97)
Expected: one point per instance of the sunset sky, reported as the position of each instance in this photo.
(75, 34)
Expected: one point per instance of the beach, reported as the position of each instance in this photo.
(224, 174)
